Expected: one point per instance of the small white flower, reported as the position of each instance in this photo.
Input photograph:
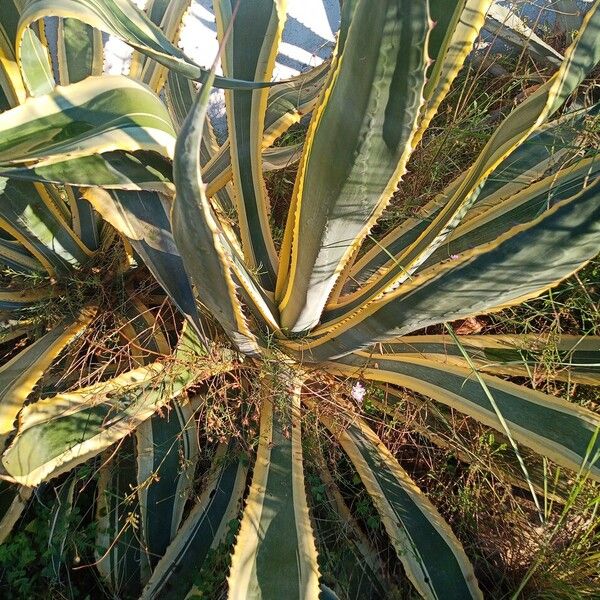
(358, 392)
(455, 256)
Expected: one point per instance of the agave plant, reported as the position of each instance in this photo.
(86, 159)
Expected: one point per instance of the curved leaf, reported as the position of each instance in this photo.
(249, 53)
(576, 358)
(55, 434)
(60, 136)
(167, 453)
(552, 427)
(125, 21)
(203, 249)
(143, 218)
(432, 556)
(119, 556)
(519, 265)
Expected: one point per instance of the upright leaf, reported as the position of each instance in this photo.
(249, 53)
(336, 202)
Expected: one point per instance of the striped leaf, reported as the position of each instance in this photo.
(382, 68)
(560, 430)
(436, 425)
(457, 26)
(15, 256)
(541, 154)
(55, 434)
(167, 453)
(12, 89)
(32, 54)
(203, 248)
(486, 222)
(286, 104)
(290, 100)
(249, 53)
(80, 51)
(15, 300)
(119, 555)
(123, 20)
(359, 570)
(519, 265)
(275, 554)
(431, 555)
(19, 375)
(577, 358)
(203, 530)
(168, 15)
(60, 136)
(582, 56)
(30, 215)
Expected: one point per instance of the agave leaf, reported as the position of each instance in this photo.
(126, 22)
(275, 554)
(80, 54)
(168, 15)
(541, 154)
(12, 89)
(57, 433)
(60, 136)
(119, 555)
(495, 218)
(457, 26)
(203, 248)
(19, 375)
(433, 558)
(492, 218)
(143, 218)
(290, 100)
(13, 301)
(62, 507)
(286, 104)
(503, 23)
(15, 256)
(30, 215)
(203, 530)
(519, 265)
(382, 67)
(80, 51)
(552, 427)
(167, 453)
(180, 94)
(581, 58)
(33, 59)
(85, 222)
(358, 569)
(577, 357)
(13, 499)
(249, 53)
